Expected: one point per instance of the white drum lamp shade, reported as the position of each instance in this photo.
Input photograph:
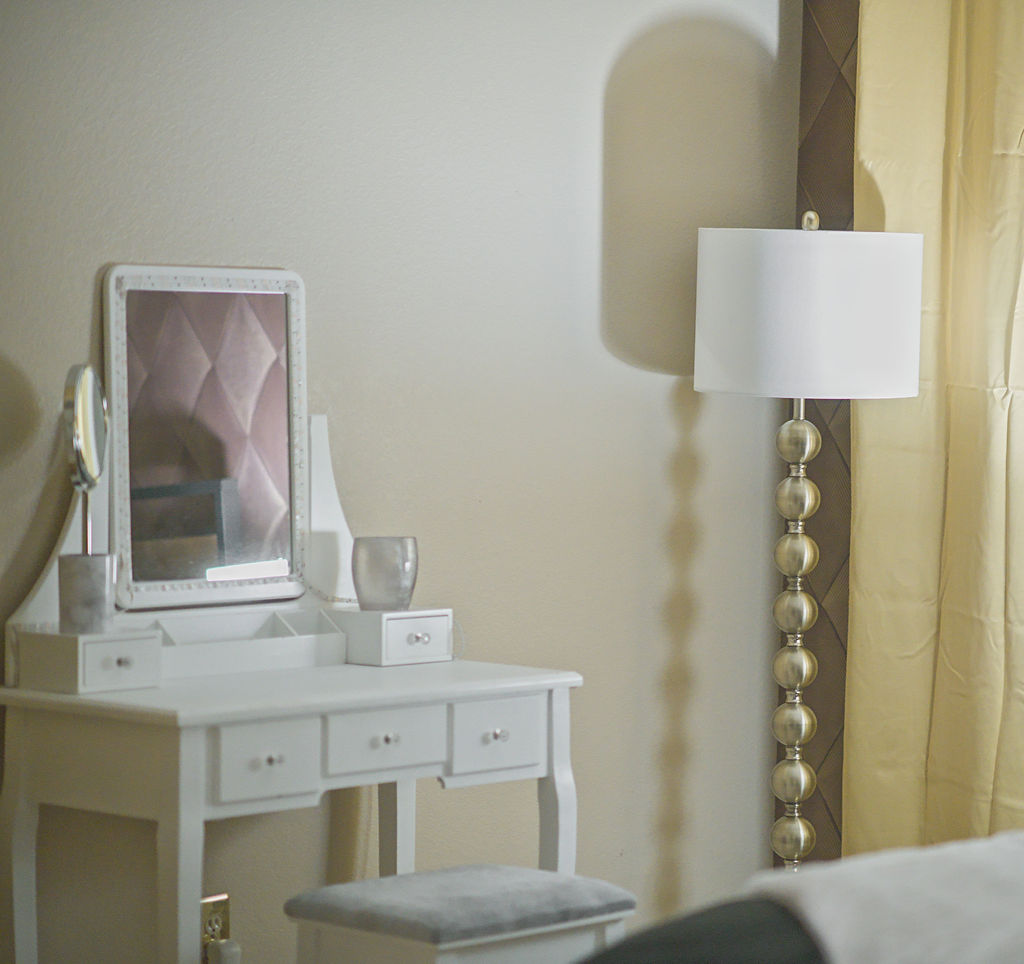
(808, 314)
(798, 315)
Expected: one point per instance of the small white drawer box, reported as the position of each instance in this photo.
(396, 638)
(88, 662)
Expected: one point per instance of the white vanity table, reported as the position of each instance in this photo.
(186, 752)
(236, 702)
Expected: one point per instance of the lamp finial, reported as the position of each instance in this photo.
(810, 221)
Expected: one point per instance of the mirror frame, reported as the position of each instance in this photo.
(122, 278)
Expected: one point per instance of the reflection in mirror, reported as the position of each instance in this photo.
(209, 362)
(207, 432)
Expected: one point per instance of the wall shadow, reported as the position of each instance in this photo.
(19, 410)
(686, 145)
(26, 423)
(685, 542)
(692, 138)
(22, 416)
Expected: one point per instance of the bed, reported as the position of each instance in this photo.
(951, 903)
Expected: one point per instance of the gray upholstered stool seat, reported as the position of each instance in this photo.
(485, 912)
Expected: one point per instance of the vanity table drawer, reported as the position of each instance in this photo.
(272, 759)
(499, 734)
(362, 741)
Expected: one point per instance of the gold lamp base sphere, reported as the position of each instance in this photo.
(793, 838)
(794, 611)
(794, 667)
(796, 554)
(793, 781)
(798, 440)
(797, 498)
(794, 724)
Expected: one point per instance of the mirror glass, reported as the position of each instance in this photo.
(85, 419)
(207, 385)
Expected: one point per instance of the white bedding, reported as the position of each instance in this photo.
(953, 903)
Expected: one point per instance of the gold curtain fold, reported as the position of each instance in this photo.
(935, 680)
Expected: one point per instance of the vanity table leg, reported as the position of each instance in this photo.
(396, 816)
(19, 821)
(179, 859)
(556, 793)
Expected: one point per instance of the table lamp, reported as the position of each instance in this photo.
(801, 314)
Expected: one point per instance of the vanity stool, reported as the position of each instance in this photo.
(477, 913)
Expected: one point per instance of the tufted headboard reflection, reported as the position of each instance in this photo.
(207, 397)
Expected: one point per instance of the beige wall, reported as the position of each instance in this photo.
(494, 208)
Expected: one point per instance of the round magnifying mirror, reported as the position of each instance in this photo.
(85, 417)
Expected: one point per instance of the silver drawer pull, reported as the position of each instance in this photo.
(500, 735)
(123, 662)
(413, 638)
(390, 738)
(274, 759)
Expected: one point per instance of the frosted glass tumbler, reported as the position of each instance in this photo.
(384, 571)
(86, 590)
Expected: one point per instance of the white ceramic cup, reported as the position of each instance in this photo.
(384, 571)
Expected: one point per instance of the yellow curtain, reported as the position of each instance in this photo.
(935, 681)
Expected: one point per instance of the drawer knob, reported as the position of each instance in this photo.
(500, 735)
(390, 738)
(123, 662)
(275, 759)
(413, 638)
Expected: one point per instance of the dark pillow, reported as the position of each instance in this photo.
(738, 932)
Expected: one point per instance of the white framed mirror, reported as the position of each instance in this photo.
(206, 376)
